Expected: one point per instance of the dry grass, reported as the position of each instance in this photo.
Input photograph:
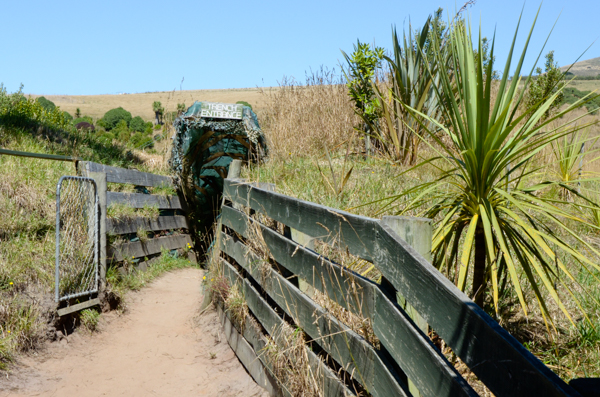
(585, 85)
(121, 212)
(304, 118)
(286, 353)
(141, 104)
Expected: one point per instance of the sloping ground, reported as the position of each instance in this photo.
(141, 104)
(589, 67)
(160, 347)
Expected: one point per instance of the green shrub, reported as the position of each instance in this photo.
(137, 124)
(78, 120)
(148, 128)
(18, 111)
(244, 103)
(89, 319)
(68, 116)
(157, 127)
(121, 131)
(140, 141)
(106, 138)
(123, 136)
(113, 116)
(101, 123)
(572, 95)
(46, 104)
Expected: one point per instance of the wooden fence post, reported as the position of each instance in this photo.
(100, 178)
(417, 232)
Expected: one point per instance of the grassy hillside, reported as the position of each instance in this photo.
(587, 68)
(27, 218)
(141, 104)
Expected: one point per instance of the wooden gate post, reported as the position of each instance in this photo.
(100, 178)
(417, 232)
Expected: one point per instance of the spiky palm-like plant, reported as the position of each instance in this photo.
(483, 227)
(569, 153)
(412, 76)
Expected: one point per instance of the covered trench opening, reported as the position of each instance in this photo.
(208, 137)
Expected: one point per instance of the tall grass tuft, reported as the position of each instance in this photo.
(302, 118)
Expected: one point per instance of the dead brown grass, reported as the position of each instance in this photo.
(305, 118)
(141, 104)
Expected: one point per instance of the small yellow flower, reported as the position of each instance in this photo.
(204, 278)
(9, 331)
(372, 172)
(133, 257)
(212, 279)
(10, 283)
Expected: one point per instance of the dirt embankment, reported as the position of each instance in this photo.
(160, 347)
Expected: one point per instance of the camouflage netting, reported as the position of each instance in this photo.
(204, 147)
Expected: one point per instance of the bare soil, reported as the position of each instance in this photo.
(161, 346)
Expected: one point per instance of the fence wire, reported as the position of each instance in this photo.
(76, 237)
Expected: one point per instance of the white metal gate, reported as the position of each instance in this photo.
(77, 236)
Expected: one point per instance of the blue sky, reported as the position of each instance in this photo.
(108, 47)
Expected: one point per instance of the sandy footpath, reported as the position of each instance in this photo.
(159, 347)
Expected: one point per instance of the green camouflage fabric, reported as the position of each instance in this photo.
(204, 147)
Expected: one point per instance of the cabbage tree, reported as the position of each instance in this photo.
(488, 233)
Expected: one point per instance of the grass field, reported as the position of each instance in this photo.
(141, 104)
(585, 85)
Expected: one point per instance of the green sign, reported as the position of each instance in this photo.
(221, 110)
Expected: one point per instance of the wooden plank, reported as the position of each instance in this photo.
(246, 355)
(134, 177)
(417, 232)
(350, 290)
(484, 346)
(432, 374)
(331, 385)
(324, 223)
(132, 225)
(424, 365)
(139, 249)
(235, 169)
(100, 179)
(349, 349)
(80, 306)
(139, 200)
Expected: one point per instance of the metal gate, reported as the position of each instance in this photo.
(77, 237)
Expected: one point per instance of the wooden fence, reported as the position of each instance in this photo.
(172, 217)
(265, 245)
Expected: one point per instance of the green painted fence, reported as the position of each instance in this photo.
(279, 278)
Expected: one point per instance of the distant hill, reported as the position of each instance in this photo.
(588, 68)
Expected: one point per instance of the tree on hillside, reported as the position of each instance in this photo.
(77, 113)
(362, 66)
(180, 109)
(113, 116)
(545, 85)
(137, 124)
(46, 104)
(158, 111)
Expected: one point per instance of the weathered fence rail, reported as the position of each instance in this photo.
(272, 270)
(167, 231)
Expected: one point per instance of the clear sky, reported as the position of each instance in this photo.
(108, 47)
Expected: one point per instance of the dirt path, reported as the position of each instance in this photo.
(160, 347)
